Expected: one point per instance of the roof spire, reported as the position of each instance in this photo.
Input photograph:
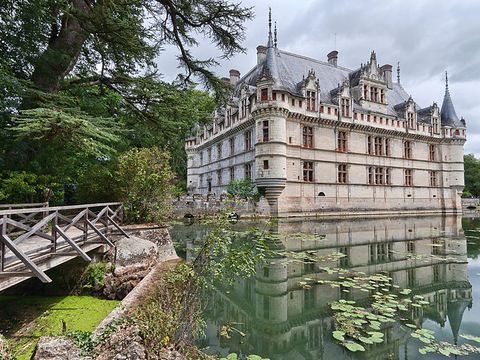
(447, 113)
(398, 72)
(275, 35)
(446, 81)
(270, 41)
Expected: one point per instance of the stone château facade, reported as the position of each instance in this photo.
(315, 137)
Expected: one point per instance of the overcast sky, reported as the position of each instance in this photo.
(427, 37)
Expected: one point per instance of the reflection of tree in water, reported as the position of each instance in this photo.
(472, 233)
(285, 310)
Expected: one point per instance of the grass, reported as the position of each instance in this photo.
(23, 319)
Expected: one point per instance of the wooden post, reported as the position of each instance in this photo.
(54, 231)
(85, 224)
(3, 231)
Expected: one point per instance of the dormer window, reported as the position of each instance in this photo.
(410, 120)
(382, 96)
(365, 92)
(311, 95)
(374, 94)
(274, 95)
(346, 107)
(244, 108)
(435, 125)
(264, 94)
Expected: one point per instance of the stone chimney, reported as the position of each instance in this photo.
(234, 77)
(386, 70)
(332, 57)
(226, 80)
(261, 53)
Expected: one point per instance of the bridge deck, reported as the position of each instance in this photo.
(35, 240)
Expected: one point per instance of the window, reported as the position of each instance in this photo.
(342, 173)
(265, 130)
(329, 110)
(293, 102)
(342, 141)
(365, 92)
(433, 179)
(410, 247)
(321, 109)
(244, 108)
(382, 96)
(201, 157)
(379, 175)
(248, 171)
(308, 171)
(408, 177)
(311, 95)
(209, 155)
(435, 125)
(231, 142)
(283, 97)
(232, 173)
(346, 107)
(407, 149)
(274, 95)
(264, 95)
(410, 121)
(219, 177)
(387, 147)
(388, 176)
(307, 135)
(265, 165)
(370, 175)
(432, 151)
(219, 151)
(378, 146)
(248, 139)
(374, 94)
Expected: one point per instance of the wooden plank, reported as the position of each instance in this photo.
(99, 233)
(35, 228)
(57, 208)
(25, 259)
(72, 243)
(27, 228)
(118, 227)
(7, 274)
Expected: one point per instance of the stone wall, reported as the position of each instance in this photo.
(199, 206)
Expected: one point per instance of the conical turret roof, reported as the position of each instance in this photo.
(448, 115)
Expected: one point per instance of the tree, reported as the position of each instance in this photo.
(79, 84)
(472, 175)
(145, 183)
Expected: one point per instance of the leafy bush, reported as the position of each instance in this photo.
(26, 187)
(94, 275)
(97, 184)
(243, 188)
(145, 181)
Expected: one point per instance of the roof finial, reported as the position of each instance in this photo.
(270, 42)
(275, 35)
(446, 81)
(398, 72)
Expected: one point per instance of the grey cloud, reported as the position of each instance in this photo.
(426, 36)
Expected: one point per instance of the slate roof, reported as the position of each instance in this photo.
(448, 115)
(288, 69)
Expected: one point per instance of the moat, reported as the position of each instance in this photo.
(284, 311)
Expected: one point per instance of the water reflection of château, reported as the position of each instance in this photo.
(283, 320)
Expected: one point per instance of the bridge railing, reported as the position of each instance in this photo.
(29, 236)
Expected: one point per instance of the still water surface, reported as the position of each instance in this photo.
(436, 257)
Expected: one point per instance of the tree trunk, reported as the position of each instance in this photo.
(62, 53)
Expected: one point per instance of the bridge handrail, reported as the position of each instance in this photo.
(56, 208)
(26, 205)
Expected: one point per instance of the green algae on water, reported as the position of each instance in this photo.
(23, 319)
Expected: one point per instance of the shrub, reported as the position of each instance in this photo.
(243, 188)
(145, 182)
(26, 187)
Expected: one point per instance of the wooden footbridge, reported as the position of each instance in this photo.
(35, 238)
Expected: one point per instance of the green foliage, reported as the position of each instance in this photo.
(145, 184)
(243, 188)
(472, 176)
(84, 341)
(94, 275)
(25, 187)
